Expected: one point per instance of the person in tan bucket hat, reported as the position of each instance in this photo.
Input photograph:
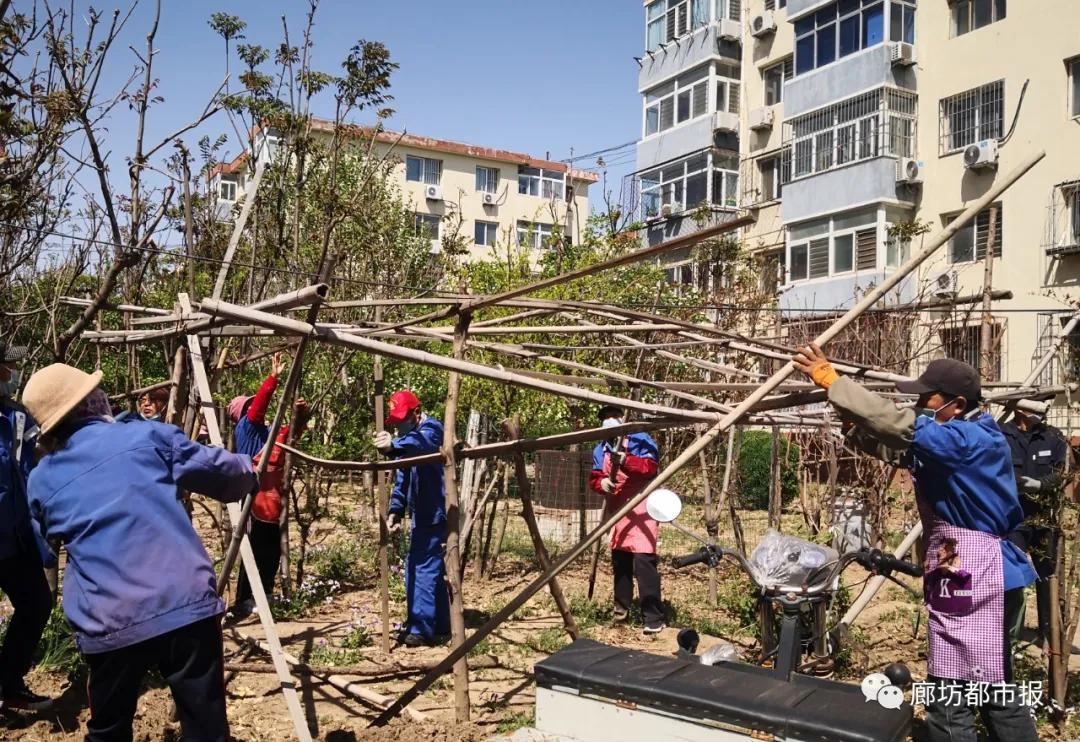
(139, 588)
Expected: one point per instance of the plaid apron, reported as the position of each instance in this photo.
(966, 601)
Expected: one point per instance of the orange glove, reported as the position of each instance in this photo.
(823, 374)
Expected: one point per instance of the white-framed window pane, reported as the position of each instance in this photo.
(485, 233)
(799, 266)
(1074, 87)
(1074, 215)
(843, 253)
(652, 120)
(227, 190)
(962, 245)
(414, 168)
(427, 225)
(819, 258)
(487, 179)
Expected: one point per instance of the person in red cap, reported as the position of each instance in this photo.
(419, 490)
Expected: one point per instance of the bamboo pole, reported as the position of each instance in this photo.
(201, 390)
(871, 298)
(986, 331)
(512, 428)
(381, 484)
(875, 583)
(633, 256)
(453, 526)
(710, 516)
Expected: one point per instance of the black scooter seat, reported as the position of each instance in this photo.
(747, 696)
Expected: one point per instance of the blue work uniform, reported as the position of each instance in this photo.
(419, 490)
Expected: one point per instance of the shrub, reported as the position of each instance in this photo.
(755, 472)
(57, 651)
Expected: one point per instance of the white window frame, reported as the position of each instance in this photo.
(490, 233)
(487, 179)
(830, 236)
(430, 170)
(774, 165)
(1072, 202)
(535, 235)
(1072, 74)
(850, 131)
(541, 182)
(671, 191)
(786, 68)
(423, 222)
(674, 19)
(966, 10)
(835, 22)
(703, 92)
(227, 189)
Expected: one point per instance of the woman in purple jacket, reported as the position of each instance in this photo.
(139, 588)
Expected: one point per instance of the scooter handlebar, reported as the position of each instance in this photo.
(702, 555)
(878, 561)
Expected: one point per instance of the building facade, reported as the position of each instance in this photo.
(489, 199)
(862, 123)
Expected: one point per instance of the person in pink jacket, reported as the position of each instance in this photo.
(622, 467)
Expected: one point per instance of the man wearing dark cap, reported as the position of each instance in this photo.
(22, 573)
(966, 493)
(1039, 457)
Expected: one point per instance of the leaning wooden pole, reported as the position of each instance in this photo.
(380, 483)
(453, 526)
(513, 430)
(871, 298)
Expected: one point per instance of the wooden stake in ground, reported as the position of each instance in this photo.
(775, 495)
(774, 381)
(453, 526)
(513, 430)
(710, 514)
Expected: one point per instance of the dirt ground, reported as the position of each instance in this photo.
(502, 692)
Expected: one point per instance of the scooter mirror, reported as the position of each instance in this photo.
(663, 506)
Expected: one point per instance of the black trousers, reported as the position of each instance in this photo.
(190, 659)
(627, 565)
(1005, 721)
(22, 578)
(265, 541)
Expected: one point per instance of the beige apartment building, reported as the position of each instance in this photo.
(494, 200)
(859, 115)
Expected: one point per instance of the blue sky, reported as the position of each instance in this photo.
(535, 77)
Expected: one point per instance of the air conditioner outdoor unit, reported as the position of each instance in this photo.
(433, 193)
(946, 285)
(489, 199)
(902, 54)
(724, 121)
(909, 171)
(981, 155)
(730, 30)
(760, 118)
(762, 24)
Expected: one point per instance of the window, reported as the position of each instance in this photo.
(770, 178)
(852, 130)
(970, 242)
(902, 21)
(836, 246)
(667, 20)
(487, 179)
(677, 102)
(423, 170)
(774, 77)
(775, 4)
(534, 181)
(227, 190)
(897, 251)
(536, 234)
(730, 9)
(485, 233)
(968, 15)
(708, 177)
(844, 28)
(427, 225)
(1073, 67)
(972, 116)
(1074, 215)
(965, 344)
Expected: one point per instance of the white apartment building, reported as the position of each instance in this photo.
(494, 199)
(857, 115)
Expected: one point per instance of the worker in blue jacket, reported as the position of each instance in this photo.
(22, 574)
(139, 588)
(419, 490)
